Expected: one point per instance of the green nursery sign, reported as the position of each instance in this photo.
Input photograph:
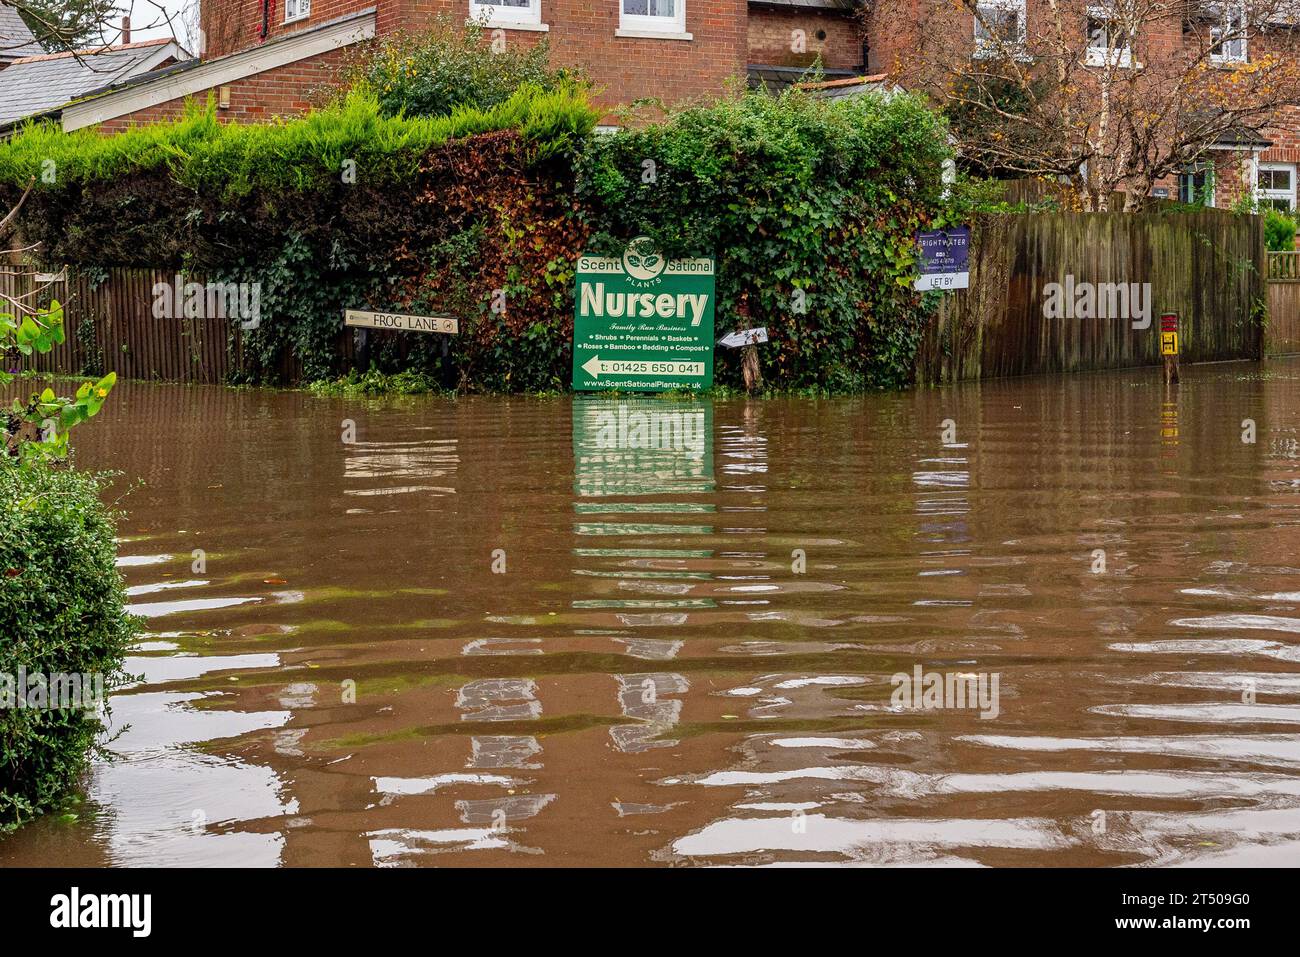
(643, 323)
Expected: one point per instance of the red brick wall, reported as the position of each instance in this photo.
(626, 69)
(773, 38)
(284, 91)
(1285, 137)
(232, 25)
(581, 34)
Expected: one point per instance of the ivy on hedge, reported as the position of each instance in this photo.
(809, 205)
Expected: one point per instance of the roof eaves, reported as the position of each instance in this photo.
(359, 25)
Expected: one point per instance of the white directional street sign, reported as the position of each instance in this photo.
(746, 337)
(359, 319)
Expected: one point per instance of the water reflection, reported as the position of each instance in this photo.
(612, 630)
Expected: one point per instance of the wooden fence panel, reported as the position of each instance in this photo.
(1283, 334)
(111, 325)
(1207, 266)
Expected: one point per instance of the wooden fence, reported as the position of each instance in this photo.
(1283, 336)
(1207, 266)
(111, 325)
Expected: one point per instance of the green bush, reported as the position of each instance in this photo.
(61, 613)
(1279, 231)
(446, 67)
(270, 205)
(204, 157)
(811, 207)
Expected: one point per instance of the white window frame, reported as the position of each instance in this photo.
(647, 27)
(988, 47)
(1289, 195)
(301, 8)
(1232, 11)
(500, 16)
(1108, 55)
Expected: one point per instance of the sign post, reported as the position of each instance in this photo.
(643, 323)
(945, 259)
(363, 321)
(1169, 345)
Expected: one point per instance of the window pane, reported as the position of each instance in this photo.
(1195, 187)
(649, 8)
(998, 24)
(1275, 180)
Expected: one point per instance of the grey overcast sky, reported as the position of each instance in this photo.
(147, 19)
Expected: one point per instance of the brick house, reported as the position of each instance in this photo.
(264, 58)
(1262, 161)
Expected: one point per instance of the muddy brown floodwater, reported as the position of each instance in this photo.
(642, 632)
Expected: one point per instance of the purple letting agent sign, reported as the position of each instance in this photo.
(943, 259)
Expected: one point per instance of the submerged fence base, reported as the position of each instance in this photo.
(1072, 292)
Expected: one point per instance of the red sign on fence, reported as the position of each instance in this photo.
(1169, 334)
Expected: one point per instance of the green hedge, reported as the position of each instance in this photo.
(811, 206)
(1279, 231)
(231, 160)
(61, 612)
(271, 204)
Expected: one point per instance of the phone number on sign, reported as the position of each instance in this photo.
(663, 368)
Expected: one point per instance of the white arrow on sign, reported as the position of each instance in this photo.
(745, 337)
(596, 365)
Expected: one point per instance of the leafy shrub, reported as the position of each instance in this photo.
(37, 428)
(446, 67)
(199, 158)
(61, 612)
(811, 207)
(442, 212)
(1279, 231)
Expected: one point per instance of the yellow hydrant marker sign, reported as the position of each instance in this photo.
(1169, 335)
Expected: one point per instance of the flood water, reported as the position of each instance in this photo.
(595, 631)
